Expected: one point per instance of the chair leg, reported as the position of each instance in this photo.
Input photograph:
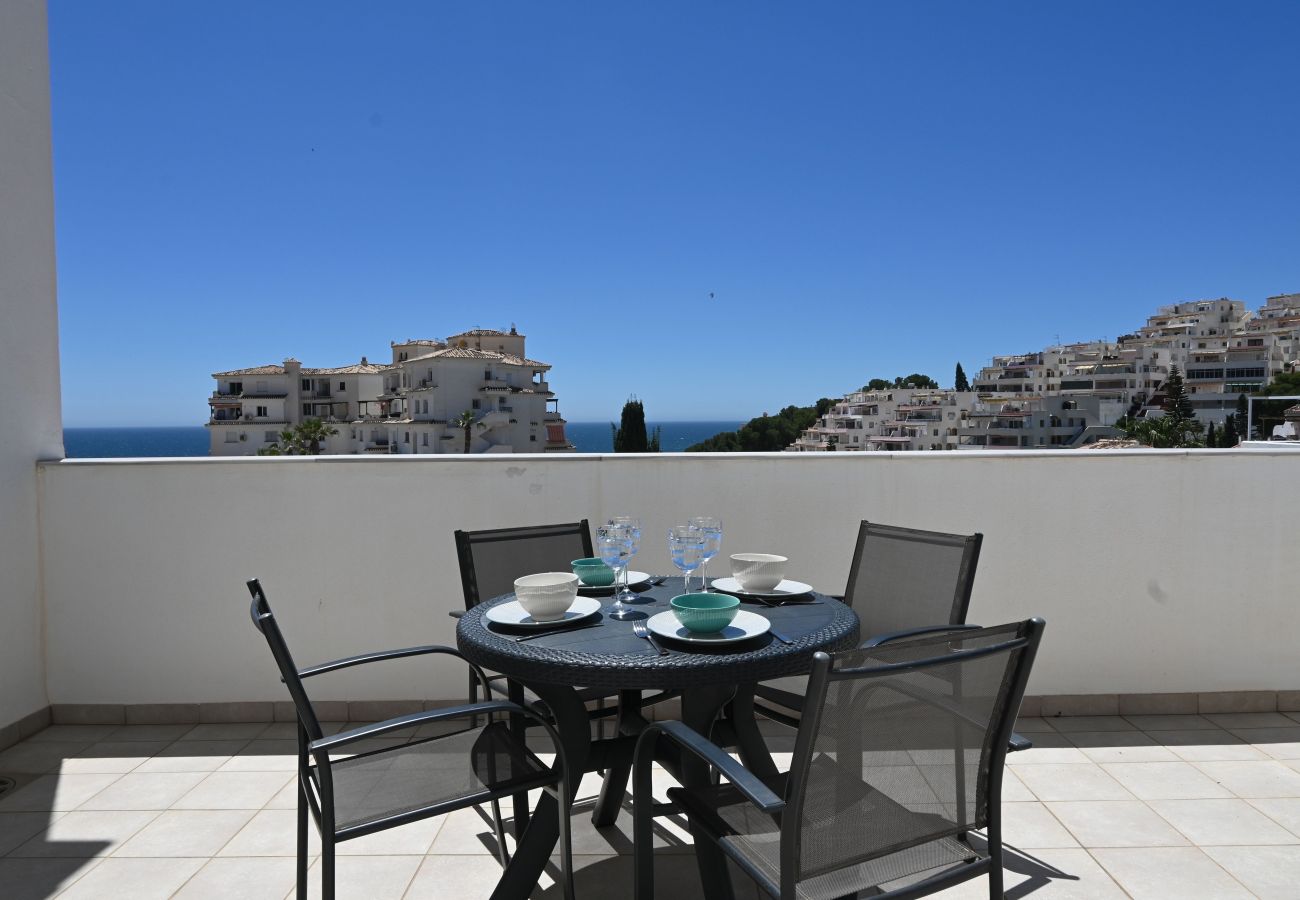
(499, 829)
(566, 841)
(643, 864)
(301, 881)
(327, 866)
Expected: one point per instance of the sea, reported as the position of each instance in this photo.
(588, 437)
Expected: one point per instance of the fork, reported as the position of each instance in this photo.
(642, 630)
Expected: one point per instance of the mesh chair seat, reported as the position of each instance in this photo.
(374, 786)
(754, 837)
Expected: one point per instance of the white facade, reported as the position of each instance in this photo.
(410, 405)
(897, 419)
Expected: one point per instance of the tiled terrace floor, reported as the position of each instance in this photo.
(1144, 807)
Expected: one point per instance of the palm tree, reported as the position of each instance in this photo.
(465, 421)
(310, 434)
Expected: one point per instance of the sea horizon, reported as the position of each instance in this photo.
(117, 442)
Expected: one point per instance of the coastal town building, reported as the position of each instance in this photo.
(898, 419)
(432, 397)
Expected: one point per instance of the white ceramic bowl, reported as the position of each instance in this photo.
(758, 571)
(548, 595)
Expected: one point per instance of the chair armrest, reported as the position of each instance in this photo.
(376, 657)
(398, 723)
(911, 632)
(1019, 742)
(689, 739)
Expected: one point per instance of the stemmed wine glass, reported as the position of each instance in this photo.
(686, 548)
(613, 543)
(633, 526)
(711, 528)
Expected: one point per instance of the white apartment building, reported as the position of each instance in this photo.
(897, 419)
(1040, 423)
(410, 405)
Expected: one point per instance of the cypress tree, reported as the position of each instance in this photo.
(1211, 437)
(1177, 403)
(630, 436)
(960, 382)
(1229, 436)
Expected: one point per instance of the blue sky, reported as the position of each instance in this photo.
(867, 189)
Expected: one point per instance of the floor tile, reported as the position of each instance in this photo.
(153, 790)
(1116, 823)
(467, 832)
(264, 755)
(186, 833)
(1048, 749)
(226, 732)
(55, 792)
(454, 876)
(1197, 745)
(15, 828)
(1171, 723)
(1044, 875)
(234, 790)
(1166, 781)
(1072, 782)
(83, 734)
(39, 879)
(1250, 720)
(1013, 789)
(1031, 826)
(148, 732)
(371, 877)
(112, 756)
(194, 756)
(1067, 724)
(1279, 743)
(1160, 873)
(1254, 780)
(257, 878)
(1120, 746)
(1272, 873)
(271, 832)
(38, 758)
(414, 839)
(83, 833)
(1222, 822)
(139, 879)
(1034, 725)
(1285, 811)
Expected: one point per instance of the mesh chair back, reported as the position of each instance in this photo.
(264, 620)
(490, 561)
(905, 578)
(900, 747)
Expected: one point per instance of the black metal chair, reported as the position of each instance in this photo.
(901, 578)
(351, 791)
(899, 757)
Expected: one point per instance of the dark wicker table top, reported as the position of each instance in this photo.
(610, 656)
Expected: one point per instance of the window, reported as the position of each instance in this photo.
(306, 384)
(236, 387)
(474, 404)
(306, 409)
(343, 386)
(232, 437)
(406, 437)
(487, 374)
(261, 411)
(424, 439)
(270, 437)
(532, 437)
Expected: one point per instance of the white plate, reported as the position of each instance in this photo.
(786, 588)
(746, 625)
(633, 579)
(513, 615)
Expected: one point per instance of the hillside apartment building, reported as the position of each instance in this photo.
(1070, 395)
(408, 405)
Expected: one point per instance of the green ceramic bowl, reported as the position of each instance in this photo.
(593, 572)
(705, 613)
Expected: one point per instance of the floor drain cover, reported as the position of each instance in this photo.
(6, 785)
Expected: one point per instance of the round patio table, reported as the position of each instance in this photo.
(556, 665)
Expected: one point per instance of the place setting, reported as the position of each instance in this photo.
(545, 603)
(760, 577)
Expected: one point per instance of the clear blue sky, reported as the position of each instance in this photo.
(867, 188)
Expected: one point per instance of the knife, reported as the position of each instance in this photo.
(779, 636)
(539, 634)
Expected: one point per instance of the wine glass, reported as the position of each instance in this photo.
(711, 528)
(633, 526)
(686, 548)
(613, 543)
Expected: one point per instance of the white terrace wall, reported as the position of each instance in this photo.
(1156, 571)
(29, 350)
